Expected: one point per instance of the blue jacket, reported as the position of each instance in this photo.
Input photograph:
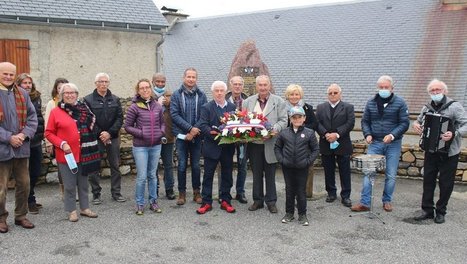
(394, 120)
(181, 101)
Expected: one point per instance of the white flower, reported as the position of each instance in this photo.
(264, 132)
(242, 130)
(225, 131)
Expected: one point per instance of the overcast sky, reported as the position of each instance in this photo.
(204, 8)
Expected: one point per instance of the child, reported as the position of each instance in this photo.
(296, 149)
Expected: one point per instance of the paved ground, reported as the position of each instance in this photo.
(180, 235)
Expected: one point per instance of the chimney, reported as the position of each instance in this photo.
(172, 14)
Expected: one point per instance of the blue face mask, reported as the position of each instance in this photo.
(159, 90)
(384, 93)
(437, 97)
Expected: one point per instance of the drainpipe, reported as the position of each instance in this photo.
(158, 45)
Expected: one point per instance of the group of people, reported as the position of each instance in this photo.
(82, 132)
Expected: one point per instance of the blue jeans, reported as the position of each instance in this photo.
(167, 159)
(146, 159)
(193, 148)
(392, 152)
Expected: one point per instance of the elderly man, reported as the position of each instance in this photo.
(214, 153)
(444, 164)
(18, 124)
(236, 96)
(335, 121)
(109, 119)
(261, 154)
(185, 108)
(384, 122)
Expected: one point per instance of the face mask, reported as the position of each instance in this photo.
(437, 97)
(70, 160)
(159, 90)
(384, 93)
(334, 145)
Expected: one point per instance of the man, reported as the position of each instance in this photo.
(261, 154)
(384, 122)
(185, 108)
(236, 96)
(18, 124)
(163, 97)
(109, 119)
(444, 164)
(335, 121)
(214, 153)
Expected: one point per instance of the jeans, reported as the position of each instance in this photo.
(19, 168)
(392, 152)
(34, 171)
(185, 148)
(167, 160)
(113, 156)
(146, 159)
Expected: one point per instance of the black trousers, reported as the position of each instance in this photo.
(446, 167)
(329, 165)
(295, 188)
(261, 169)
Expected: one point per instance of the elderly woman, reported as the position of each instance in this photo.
(25, 81)
(294, 97)
(145, 122)
(69, 129)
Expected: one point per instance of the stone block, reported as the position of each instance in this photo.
(419, 155)
(419, 163)
(124, 170)
(405, 148)
(408, 157)
(402, 172)
(464, 176)
(105, 173)
(413, 171)
(462, 166)
(404, 165)
(459, 172)
(52, 177)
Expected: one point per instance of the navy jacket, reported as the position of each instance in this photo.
(296, 150)
(178, 109)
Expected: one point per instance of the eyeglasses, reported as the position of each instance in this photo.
(333, 93)
(103, 81)
(144, 88)
(69, 93)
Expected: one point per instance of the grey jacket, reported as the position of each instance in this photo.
(276, 114)
(10, 125)
(456, 113)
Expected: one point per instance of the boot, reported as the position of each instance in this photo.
(181, 198)
(197, 196)
(62, 191)
(309, 183)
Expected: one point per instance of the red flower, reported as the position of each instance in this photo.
(252, 133)
(238, 135)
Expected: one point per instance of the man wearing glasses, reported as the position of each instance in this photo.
(384, 122)
(335, 121)
(109, 119)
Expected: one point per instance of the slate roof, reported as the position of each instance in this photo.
(351, 44)
(117, 14)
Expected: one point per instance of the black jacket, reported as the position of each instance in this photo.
(310, 121)
(108, 111)
(39, 135)
(296, 150)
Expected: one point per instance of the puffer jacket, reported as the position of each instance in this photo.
(108, 112)
(181, 99)
(394, 120)
(145, 122)
(296, 150)
(39, 135)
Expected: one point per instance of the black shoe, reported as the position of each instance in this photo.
(347, 202)
(255, 206)
(96, 199)
(241, 198)
(272, 208)
(439, 219)
(423, 216)
(118, 198)
(170, 194)
(330, 198)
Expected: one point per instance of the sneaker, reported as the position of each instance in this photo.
(38, 205)
(119, 199)
(204, 208)
(287, 218)
(155, 207)
(97, 199)
(33, 208)
(227, 207)
(303, 220)
(170, 194)
(140, 210)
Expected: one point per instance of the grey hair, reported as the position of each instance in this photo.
(437, 81)
(263, 77)
(335, 85)
(217, 84)
(71, 85)
(101, 74)
(237, 77)
(385, 78)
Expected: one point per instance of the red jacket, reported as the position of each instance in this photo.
(61, 127)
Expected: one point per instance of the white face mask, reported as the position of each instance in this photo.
(70, 160)
(383, 93)
(437, 97)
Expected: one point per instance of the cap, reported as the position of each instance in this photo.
(296, 110)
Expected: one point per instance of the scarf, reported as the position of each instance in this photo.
(21, 109)
(380, 102)
(288, 105)
(90, 158)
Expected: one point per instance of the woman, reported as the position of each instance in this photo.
(294, 97)
(69, 129)
(51, 105)
(145, 122)
(25, 81)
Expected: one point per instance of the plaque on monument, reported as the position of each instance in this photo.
(249, 75)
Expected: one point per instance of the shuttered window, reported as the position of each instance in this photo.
(16, 51)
